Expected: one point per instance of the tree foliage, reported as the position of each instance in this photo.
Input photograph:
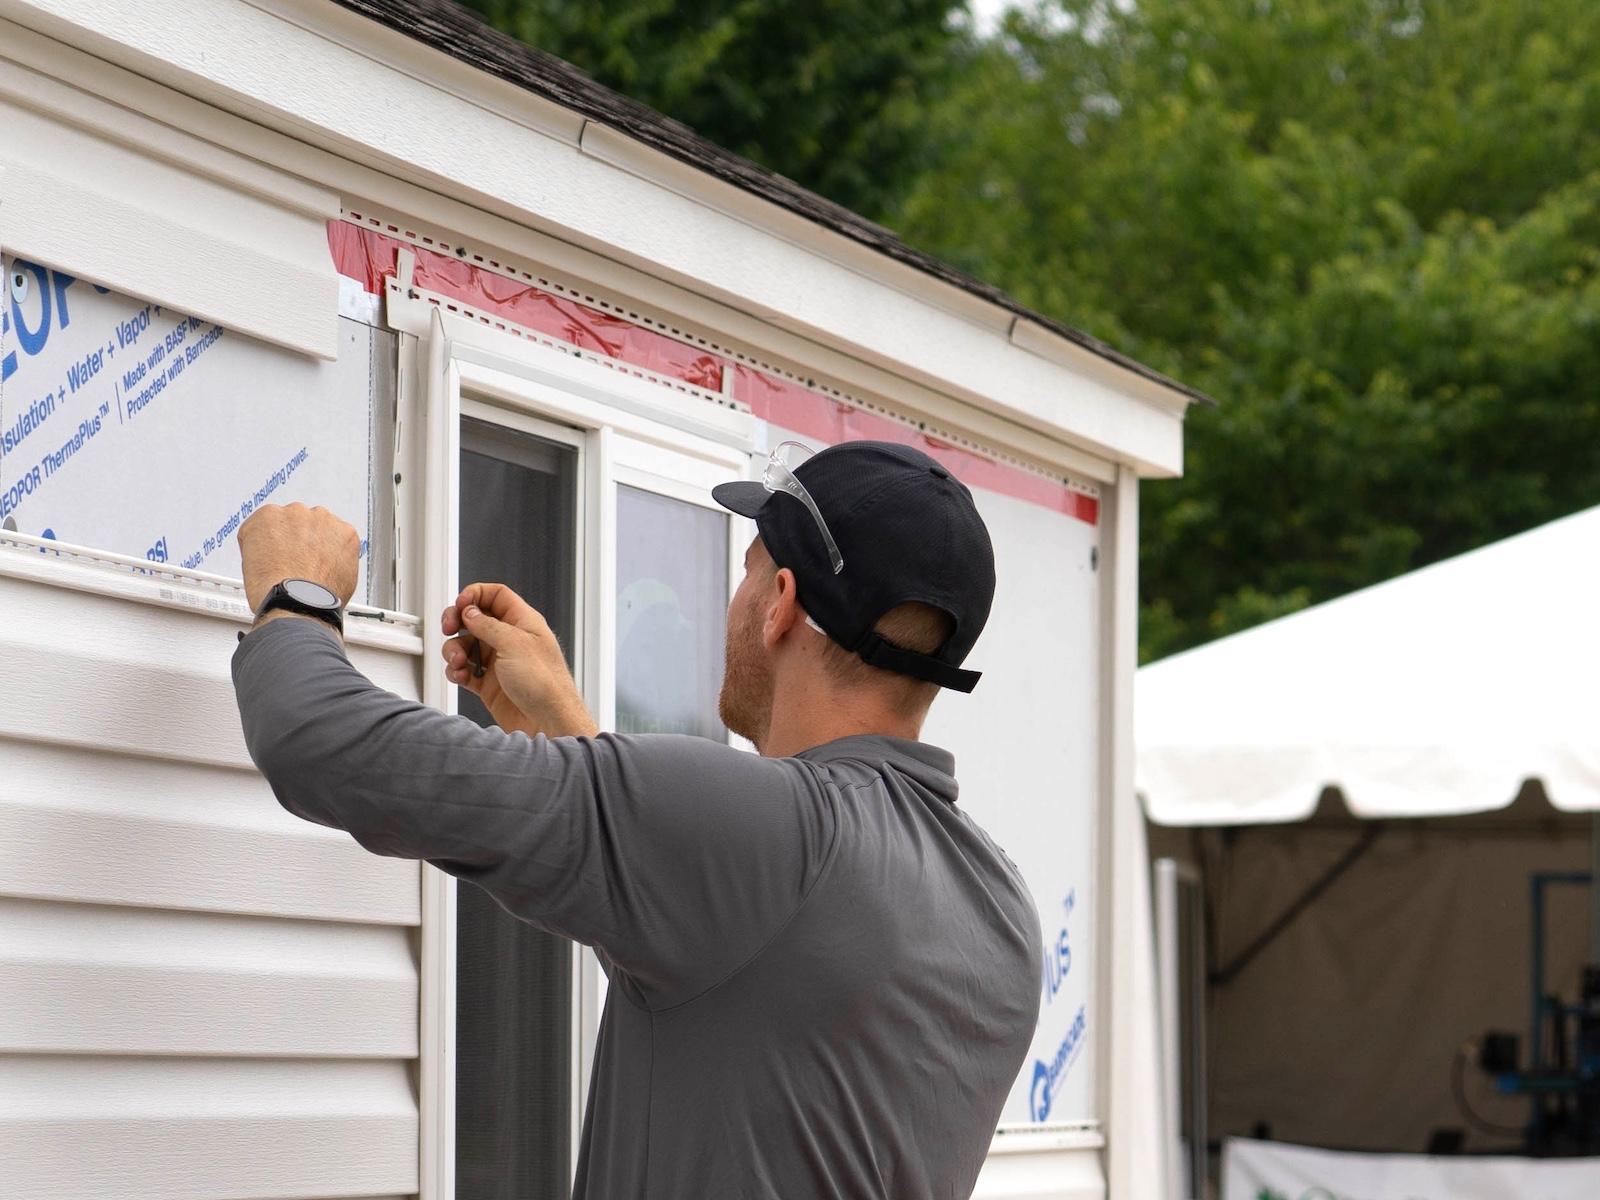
(1370, 228)
(832, 94)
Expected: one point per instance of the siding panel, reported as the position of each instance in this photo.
(81, 979)
(201, 996)
(205, 1129)
(137, 678)
(167, 834)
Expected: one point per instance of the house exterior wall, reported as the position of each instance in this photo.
(204, 996)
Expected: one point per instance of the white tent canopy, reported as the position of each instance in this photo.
(1433, 694)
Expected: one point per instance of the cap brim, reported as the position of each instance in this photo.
(743, 496)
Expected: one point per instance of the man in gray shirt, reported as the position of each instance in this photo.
(824, 976)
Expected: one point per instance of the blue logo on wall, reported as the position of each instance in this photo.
(1039, 1093)
(1058, 953)
(1049, 1076)
(34, 301)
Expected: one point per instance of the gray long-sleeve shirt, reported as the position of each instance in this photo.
(824, 976)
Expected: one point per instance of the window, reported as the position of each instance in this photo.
(587, 490)
(518, 525)
(522, 521)
(672, 600)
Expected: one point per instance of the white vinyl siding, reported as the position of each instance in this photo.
(119, 200)
(200, 994)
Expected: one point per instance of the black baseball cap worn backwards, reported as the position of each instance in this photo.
(906, 530)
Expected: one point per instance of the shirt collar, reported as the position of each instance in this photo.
(933, 768)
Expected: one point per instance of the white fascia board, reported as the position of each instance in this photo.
(395, 52)
(1036, 339)
(647, 163)
(633, 205)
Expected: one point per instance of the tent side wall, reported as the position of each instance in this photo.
(1342, 1032)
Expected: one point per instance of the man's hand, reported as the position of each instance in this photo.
(525, 684)
(292, 541)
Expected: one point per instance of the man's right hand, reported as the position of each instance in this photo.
(526, 684)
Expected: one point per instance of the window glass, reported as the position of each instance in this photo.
(513, 982)
(672, 602)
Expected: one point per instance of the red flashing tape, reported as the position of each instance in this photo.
(368, 256)
(815, 415)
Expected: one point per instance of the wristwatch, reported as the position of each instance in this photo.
(303, 596)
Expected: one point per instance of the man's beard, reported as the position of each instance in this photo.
(745, 704)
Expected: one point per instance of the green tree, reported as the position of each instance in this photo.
(1368, 227)
(831, 94)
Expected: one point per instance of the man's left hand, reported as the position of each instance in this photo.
(291, 541)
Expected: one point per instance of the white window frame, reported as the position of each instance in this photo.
(628, 430)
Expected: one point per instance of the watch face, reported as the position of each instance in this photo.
(314, 594)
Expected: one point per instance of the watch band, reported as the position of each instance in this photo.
(307, 602)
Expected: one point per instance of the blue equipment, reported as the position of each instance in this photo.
(1562, 1081)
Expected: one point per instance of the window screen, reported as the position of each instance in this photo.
(513, 982)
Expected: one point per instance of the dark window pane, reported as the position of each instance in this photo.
(672, 608)
(513, 982)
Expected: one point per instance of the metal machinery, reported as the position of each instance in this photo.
(1562, 1078)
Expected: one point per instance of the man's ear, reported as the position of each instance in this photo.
(783, 609)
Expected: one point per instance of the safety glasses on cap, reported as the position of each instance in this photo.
(778, 477)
